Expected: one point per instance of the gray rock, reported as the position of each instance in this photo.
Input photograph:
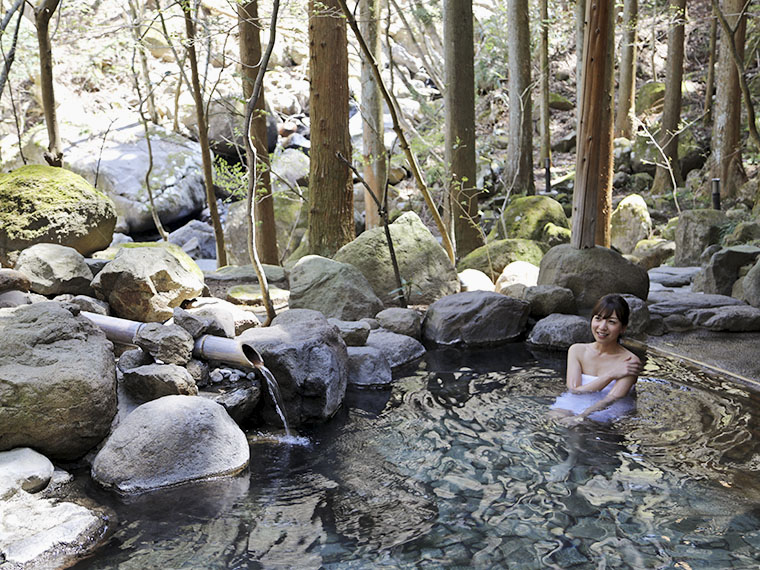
(152, 381)
(230, 318)
(13, 280)
(666, 303)
(744, 232)
(722, 271)
(677, 322)
(734, 318)
(23, 469)
(199, 371)
(560, 331)
(494, 256)
(398, 349)
(170, 344)
(423, 263)
(57, 381)
(196, 239)
(47, 533)
(96, 265)
(401, 321)
(335, 289)
(197, 324)
(368, 366)
(630, 223)
(547, 299)
(475, 318)
(169, 441)
(696, 230)
(237, 391)
(751, 286)
(121, 161)
(526, 216)
(475, 280)
(353, 333)
(54, 269)
(592, 273)
(14, 299)
(145, 284)
(90, 304)
(673, 276)
(517, 272)
(650, 253)
(133, 358)
(308, 359)
(638, 321)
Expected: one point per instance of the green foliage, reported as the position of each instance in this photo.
(232, 178)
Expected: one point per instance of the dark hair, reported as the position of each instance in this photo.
(612, 303)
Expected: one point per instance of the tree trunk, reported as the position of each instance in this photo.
(375, 160)
(580, 27)
(726, 159)
(592, 196)
(546, 143)
(710, 81)
(626, 108)
(208, 176)
(519, 166)
(42, 14)
(331, 216)
(671, 112)
(250, 58)
(459, 105)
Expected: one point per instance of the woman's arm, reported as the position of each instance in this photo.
(620, 390)
(629, 366)
(574, 368)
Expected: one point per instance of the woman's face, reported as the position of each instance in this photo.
(606, 329)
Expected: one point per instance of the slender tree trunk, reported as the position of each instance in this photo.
(250, 58)
(459, 104)
(331, 216)
(42, 14)
(710, 81)
(208, 176)
(375, 161)
(580, 27)
(546, 142)
(726, 158)
(519, 165)
(671, 112)
(626, 109)
(593, 169)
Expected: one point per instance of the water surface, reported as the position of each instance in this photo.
(458, 466)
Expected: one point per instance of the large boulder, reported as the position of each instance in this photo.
(592, 273)
(196, 238)
(630, 223)
(475, 318)
(560, 331)
(398, 349)
(308, 358)
(23, 469)
(526, 217)
(669, 303)
(548, 299)
(402, 321)
(520, 272)
(651, 253)
(145, 284)
(12, 280)
(696, 230)
(751, 286)
(169, 441)
(335, 289)
(734, 318)
(57, 381)
(153, 381)
(493, 257)
(722, 271)
(43, 204)
(54, 269)
(424, 266)
(120, 162)
(368, 366)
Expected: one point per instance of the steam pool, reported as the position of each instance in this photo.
(459, 466)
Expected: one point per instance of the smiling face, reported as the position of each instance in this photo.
(606, 330)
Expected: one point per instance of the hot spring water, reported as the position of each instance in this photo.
(458, 466)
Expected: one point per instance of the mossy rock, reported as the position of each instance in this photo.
(250, 295)
(44, 204)
(184, 260)
(526, 217)
(553, 234)
(650, 95)
(493, 257)
(557, 101)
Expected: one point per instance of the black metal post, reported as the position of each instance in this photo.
(716, 193)
(548, 169)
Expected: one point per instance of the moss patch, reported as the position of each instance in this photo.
(184, 260)
(493, 257)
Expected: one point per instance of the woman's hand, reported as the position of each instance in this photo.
(571, 421)
(629, 366)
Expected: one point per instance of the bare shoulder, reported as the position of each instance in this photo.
(626, 353)
(578, 349)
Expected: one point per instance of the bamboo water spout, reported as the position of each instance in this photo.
(208, 347)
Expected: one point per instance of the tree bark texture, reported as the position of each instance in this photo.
(726, 156)
(546, 143)
(592, 197)
(375, 160)
(250, 58)
(331, 216)
(519, 166)
(580, 27)
(42, 14)
(208, 175)
(626, 107)
(671, 112)
(710, 81)
(459, 105)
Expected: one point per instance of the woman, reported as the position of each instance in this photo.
(601, 374)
